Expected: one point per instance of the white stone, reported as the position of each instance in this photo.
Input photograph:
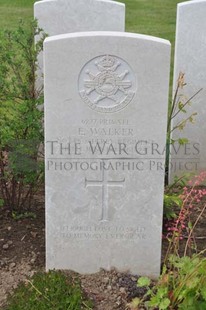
(66, 16)
(63, 16)
(190, 58)
(107, 90)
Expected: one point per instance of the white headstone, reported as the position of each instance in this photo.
(106, 97)
(190, 59)
(65, 16)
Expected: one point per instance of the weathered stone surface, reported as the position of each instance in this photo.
(63, 16)
(106, 97)
(190, 59)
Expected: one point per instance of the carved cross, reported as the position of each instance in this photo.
(104, 183)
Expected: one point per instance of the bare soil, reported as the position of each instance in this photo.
(22, 253)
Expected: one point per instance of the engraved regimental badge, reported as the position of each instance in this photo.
(107, 83)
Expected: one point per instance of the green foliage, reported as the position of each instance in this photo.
(18, 216)
(177, 106)
(53, 290)
(134, 304)
(12, 11)
(182, 285)
(187, 281)
(158, 297)
(143, 281)
(172, 196)
(181, 182)
(21, 133)
(1, 203)
(183, 141)
(156, 18)
(171, 200)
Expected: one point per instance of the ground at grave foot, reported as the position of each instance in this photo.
(22, 253)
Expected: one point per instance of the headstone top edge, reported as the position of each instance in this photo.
(119, 34)
(101, 1)
(43, 2)
(190, 3)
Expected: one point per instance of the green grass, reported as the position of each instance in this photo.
(49, 291)
(156, 17)
(13, 10)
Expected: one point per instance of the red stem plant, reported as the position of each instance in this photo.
(192, 195)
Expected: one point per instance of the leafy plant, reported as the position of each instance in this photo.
(173, 197)
(53, 290)
(182, 285)
(179, 103)
(192, 194)
(178, 106)
(21, 133)
(171, 200)
(18, 216)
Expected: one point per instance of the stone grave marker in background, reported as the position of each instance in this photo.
(106, 97)
(190, 59)
(64, 16)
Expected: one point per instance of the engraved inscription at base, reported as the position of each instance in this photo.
(99, 232)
